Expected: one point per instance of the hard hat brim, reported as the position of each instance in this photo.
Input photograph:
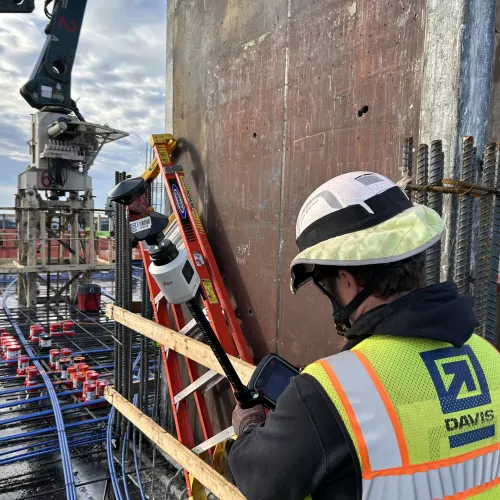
(402, 236)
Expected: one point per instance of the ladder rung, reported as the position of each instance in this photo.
(191, 329)
(197, 384)
(210, 443)
(174, 235)
(158, 297)
(188, 328)
(213, 383)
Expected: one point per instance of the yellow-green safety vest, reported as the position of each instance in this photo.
(422, 416)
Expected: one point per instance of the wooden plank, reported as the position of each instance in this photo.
(193, 349)
(210, 478)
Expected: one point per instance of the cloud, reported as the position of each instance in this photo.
(117, 78)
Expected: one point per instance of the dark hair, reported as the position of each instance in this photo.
(403, 276)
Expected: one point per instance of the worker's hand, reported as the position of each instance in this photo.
(242, 419)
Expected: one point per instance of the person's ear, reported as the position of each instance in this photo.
(348, 282)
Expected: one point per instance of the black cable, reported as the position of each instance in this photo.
(77, 111)
(213, 342)
(46, 8)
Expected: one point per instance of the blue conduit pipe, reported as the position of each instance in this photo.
(136, 464)
(111, 464)
(12, 377)
(69, 481)
(19, 377)
(109, 446)
(88, 434)
(124, 470)
(21, 389)
(32, 434)
(21, 402)
(44, 413)
(37, 454)
(76, 353)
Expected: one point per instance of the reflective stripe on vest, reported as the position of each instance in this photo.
(386, 473)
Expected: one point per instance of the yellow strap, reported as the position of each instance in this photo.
(197, 489)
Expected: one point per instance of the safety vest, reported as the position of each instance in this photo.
(422, 416)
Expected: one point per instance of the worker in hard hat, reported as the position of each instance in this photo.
(409, 409)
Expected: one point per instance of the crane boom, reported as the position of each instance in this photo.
(50, 81)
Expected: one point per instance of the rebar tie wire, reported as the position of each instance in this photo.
(450, 186)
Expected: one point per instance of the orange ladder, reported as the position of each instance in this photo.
(187, 230)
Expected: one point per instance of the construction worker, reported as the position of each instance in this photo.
(409, 409)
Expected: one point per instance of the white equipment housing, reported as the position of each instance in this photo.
(178, 280)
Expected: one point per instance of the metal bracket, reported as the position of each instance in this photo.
(173, 169)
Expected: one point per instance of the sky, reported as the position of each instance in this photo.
(118, 78)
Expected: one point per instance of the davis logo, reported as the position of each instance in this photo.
(461, 387)
(179, 201)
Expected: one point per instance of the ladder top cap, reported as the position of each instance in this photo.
(161, 138)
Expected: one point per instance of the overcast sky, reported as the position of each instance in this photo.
(118, 79)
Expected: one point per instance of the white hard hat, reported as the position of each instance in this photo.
(357, 219)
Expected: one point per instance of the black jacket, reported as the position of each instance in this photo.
(303, 446)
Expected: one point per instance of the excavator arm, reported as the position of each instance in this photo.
(50, 81)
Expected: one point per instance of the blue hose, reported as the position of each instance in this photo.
(77, 353)
(137, 473)
(124, 470)
(111, 464)
(53, 449)
(124, 445)
(21, 389)
(11, 404)
(88, 434)
(32, 434)
(69, 481)
(44, 413)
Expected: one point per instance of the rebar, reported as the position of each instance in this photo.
(465, 219)
(486, 208)
(117, 298)
(407, 160)
(422, 173)
(491, 300)
(124, 299)
(435, 201)
(146, 312)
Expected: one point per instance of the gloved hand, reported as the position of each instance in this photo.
(242, 419)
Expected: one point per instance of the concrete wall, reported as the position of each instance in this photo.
(267, 97)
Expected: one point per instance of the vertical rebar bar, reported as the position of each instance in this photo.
(422, 173)
(147, 312)
(491, 299)
(118, 277)
(464, 228)
(486, 207)
(407, 161)
(435, 201)
(125, 295)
